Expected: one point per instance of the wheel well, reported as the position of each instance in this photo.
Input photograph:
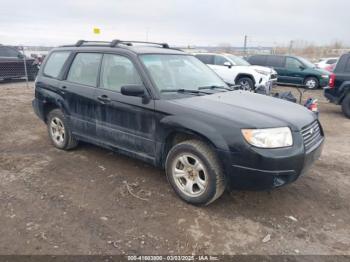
(346, 93)
(177, 137)
(48, 107)
(245, 75)
(313, 76)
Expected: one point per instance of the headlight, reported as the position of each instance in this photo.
(324, 76)
(269, 137)
(262, 72)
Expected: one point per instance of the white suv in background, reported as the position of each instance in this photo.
(235, 70)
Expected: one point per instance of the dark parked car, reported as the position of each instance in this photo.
(338, 90)
(12, 64)
(169, 109)
(293, 70)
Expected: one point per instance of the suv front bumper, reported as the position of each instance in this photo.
(270, 169)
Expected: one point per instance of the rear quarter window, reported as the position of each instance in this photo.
(257, 60)
(55, 63)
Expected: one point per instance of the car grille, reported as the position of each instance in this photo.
(311, 134)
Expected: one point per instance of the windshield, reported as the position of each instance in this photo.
(307, 63)
(179, 72)
(238, 61)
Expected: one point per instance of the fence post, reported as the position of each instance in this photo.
(25, 66)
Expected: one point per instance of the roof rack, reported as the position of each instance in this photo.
(115, 42)
(82, 42)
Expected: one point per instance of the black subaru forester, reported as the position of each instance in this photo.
(166, 107)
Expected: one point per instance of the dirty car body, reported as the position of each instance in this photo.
(147, 125)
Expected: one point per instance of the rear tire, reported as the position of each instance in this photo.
(345, 105)
(59, 130)
(194, 172)
(311, 82)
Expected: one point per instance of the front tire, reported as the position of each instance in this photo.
(345, 105)
(59, 130)
(246, 83)
(194, 172)
(311, 82)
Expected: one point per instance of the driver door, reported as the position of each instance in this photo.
(294, 71)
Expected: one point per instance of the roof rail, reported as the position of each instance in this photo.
(82, 42)
(114, 43)
(129, 43)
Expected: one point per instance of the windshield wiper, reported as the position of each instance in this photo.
(182, 90)
(215, 87)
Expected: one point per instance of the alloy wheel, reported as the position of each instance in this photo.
(57, 131)
(190, 175)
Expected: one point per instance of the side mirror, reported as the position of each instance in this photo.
(301, 68)
(20, 56)
(228, 64)
(133, 90)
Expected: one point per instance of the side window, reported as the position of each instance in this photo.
(347, 65)
(275, 61)
(118, 71)
(220, 60)
(206, 59)
(8, 52)
(2, 51)
(84, 69)
(257, 60)
(292, 63)
(55, 63)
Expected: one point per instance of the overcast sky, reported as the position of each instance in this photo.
(178, 22)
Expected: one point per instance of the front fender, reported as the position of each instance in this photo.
(170, 124)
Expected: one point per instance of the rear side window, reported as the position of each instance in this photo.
(55, 63)
(275, 61)
(206, 59)
(257, 60)
(118, 71)
(84, 69)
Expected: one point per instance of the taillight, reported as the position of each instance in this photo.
(331, 83)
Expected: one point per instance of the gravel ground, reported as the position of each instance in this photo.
(77, 202)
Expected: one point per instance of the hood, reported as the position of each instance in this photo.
(250, 110)
(264, 69)
(322, 71)
(318, 70)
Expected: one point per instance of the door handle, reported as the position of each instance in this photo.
(104, 99)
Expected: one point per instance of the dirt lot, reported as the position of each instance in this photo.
(77, 202)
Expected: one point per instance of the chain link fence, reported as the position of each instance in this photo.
(18, 64)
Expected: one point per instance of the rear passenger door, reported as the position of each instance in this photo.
(78, 90)
(124, 122)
